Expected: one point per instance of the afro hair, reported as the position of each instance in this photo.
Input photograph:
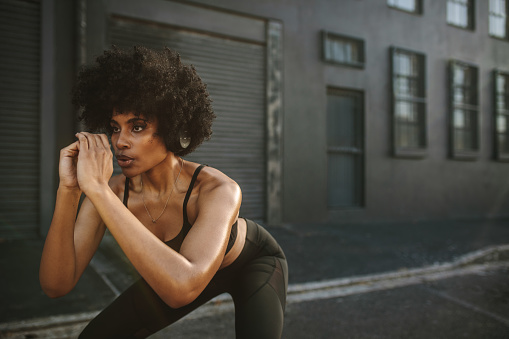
(155, 84)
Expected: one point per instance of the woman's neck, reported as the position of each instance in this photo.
(162, 178)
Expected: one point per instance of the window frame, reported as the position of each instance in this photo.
(462, 154)
(506, 30)
(409, 152)
(500, 156)
(418, 7)
(471, 15)
(326, 36)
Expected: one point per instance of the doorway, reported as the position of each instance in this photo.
(345, 148)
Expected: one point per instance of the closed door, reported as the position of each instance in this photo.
(345, 149)
(19, 118)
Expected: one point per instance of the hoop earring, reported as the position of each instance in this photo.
(185, 140)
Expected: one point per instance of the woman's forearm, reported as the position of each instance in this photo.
(169, 273)
(57, 273)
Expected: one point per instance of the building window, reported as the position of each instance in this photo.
(409, 103)
(343, 50)
(460, 13)
(498, 19)
(412, 6)
(502, 116)
(464, 117)
(345, 149)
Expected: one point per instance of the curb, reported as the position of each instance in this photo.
(491, 254)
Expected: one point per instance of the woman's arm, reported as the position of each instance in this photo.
(205, 245)
(71, 242)
(58, 261)
(178, 278)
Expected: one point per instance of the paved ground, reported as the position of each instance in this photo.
(347, 281)
(467, 305)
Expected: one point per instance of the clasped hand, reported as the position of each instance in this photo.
(86, 164)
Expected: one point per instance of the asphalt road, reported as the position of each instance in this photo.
(462, 305)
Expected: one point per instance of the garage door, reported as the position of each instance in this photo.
(19, 118)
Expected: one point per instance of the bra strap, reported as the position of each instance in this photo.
(189, 190)
(126, 191)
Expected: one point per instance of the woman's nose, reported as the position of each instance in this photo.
(123, 141)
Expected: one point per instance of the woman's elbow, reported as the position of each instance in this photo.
(179, 299)
(52, 289)
(181, 290)
(53, 293)
(176, 303)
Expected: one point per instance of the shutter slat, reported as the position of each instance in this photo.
(19, 117)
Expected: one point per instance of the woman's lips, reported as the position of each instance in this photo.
(124, 160)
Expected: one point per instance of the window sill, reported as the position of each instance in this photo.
(465, 155)
(506, 39)
(356, 65)
(468, 28)
(414, 12)
(410, 153)
(353, 209)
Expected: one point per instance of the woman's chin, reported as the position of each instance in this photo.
(129, 172)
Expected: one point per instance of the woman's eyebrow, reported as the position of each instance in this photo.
(133, 120)
(130, 121)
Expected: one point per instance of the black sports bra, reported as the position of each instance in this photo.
(177, 241)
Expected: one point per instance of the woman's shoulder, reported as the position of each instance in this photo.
(216, 190)
(211, 179)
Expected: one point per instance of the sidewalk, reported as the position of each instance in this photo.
(315, 252)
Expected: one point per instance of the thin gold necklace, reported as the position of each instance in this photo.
(166, 204)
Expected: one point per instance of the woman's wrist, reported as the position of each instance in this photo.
(96, 191)
(69, 190)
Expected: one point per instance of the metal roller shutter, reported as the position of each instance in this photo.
(235, 75)
(19, 117)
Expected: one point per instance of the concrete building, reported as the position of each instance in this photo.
(328, 111)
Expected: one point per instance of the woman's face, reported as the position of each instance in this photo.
(136, 144)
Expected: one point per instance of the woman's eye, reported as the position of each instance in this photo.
(115, 129)
(138, 128)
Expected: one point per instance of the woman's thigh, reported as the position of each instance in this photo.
(139, 312)
(260, 298)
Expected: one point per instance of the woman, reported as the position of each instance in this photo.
(176, 221)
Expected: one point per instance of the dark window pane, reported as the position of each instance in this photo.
(342, 190)
(464, 107)
(502, 92)
(465, 130)
(343, 50)
(341, 124)
(458, 13)
(408, 125)
(498, 19)
(409, 107)
(502, 113)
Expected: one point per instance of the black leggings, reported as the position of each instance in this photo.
(257, 282)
